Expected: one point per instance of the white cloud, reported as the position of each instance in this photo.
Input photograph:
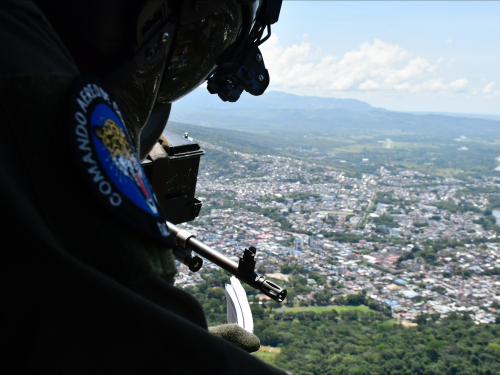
(449, 41)
(369, 85)
(432, 85)
(490, 91)
(459, 85)
(373, 66)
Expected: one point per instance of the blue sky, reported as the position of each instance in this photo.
(408, 56)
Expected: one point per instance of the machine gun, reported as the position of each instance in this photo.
(244, 270)
(172, 169)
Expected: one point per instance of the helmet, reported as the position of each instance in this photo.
(153, 52)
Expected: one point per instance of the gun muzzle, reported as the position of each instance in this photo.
(245, 270)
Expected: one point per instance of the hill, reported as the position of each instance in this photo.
(277, 113)
(200, 98)
(342, 133)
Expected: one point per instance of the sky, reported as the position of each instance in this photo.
(439, 56)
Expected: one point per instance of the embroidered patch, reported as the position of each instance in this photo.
(107, 160)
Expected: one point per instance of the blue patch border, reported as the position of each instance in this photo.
(118, 183)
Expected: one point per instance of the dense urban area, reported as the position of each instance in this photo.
(420, 244)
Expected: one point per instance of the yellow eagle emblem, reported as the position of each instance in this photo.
(116, 142)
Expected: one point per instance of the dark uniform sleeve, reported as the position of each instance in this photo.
(80, 292)
(62, 316)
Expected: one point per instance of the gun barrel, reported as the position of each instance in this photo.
(189, 242)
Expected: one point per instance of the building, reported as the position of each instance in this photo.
(298, 244)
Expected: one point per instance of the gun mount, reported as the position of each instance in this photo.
(244, 270)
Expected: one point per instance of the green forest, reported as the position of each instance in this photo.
(350, 340)
(362, 343)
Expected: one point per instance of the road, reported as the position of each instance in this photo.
(372, 201)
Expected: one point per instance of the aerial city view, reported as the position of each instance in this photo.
(382, 224)
(250, 187)
(422, 247)
(418, 244)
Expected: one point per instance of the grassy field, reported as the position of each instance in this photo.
(267, 354)
(318, 309)
(390, 322)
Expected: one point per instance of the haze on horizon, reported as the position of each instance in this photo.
(402, 56)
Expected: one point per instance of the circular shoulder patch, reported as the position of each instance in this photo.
(107, 161)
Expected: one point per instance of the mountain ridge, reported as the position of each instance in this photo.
(277, 112)
(201, 98)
